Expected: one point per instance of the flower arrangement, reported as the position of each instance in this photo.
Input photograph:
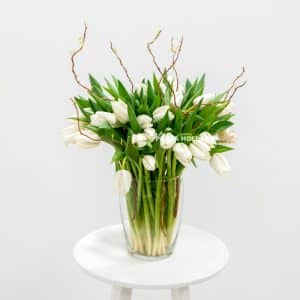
(156, 128)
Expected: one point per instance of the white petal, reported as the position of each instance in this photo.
(123, 181)
(219, 163)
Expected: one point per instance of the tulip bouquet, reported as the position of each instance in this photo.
(156, 128)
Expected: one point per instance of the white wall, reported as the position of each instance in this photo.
(51, 196)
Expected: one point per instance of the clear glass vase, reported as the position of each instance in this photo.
(151, 214)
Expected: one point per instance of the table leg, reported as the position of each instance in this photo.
(120, 293)
(181, 293)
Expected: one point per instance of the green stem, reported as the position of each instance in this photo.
(149, 192)
(158, 202)
(170, 215)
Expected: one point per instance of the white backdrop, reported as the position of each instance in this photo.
(51, 196)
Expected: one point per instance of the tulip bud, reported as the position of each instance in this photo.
(207, 138)
(149, 162)
(200, 150)
(160, 112)
(167, 140)
(227, 136)
(144, 121)
(150, 134)
(69, 134)
(182, 153)
(141, 87)
(206, 98)
(123, 181)
(121, 111)
(178, 99)
(100, 117)
(171, 116)
(139, 139)
(87, 141)
(219, 163)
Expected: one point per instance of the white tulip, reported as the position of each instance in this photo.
(149, 162)
(167, 140)
(123, 181)
(139, 139)
(87, 141)
(182, 153)
(141, 86)
(150, 134)
(178, 99)
(69, 134)
(207, 138)
(144, 121)
(227, 136)
(219, 163)
(227, 110)
(160, 112)
(121, 111)
(200, 150)
(171, 116)
(100, 117)
(206, 98)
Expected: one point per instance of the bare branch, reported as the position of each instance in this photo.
(78, 124)
(149, 44)
(82, 41)
(176, 51)
(235, 90)
(114, 51)
(232, 86)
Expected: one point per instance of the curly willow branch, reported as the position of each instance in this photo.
(82, 41)
(163, 74)
(114, 51)
(176, 52)
(233, 88)
(78, 124)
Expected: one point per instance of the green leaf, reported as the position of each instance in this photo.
(156, 86)
(220, 149)
(111, 90)
(93, 105)
(188, 85)
(178, 120)
(96, 87)
(219, 126)
(225, 117)
(130, 150)
(82, 103)
(118, 155)
(82, 106)
(123, 94)
(190, 121)
(133, 120)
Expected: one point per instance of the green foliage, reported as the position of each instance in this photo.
(189, 120)
(220, 149)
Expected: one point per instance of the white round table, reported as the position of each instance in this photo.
(198, 256)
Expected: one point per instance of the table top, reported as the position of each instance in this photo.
(198, 256)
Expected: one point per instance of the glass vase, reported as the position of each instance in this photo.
(151, 214)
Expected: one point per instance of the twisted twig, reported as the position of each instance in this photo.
(82, 41)
(149, 44)
(78, 123)
(235, 90)
(114, 51)
(232, 89)
(163, 74)
(176, 51)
